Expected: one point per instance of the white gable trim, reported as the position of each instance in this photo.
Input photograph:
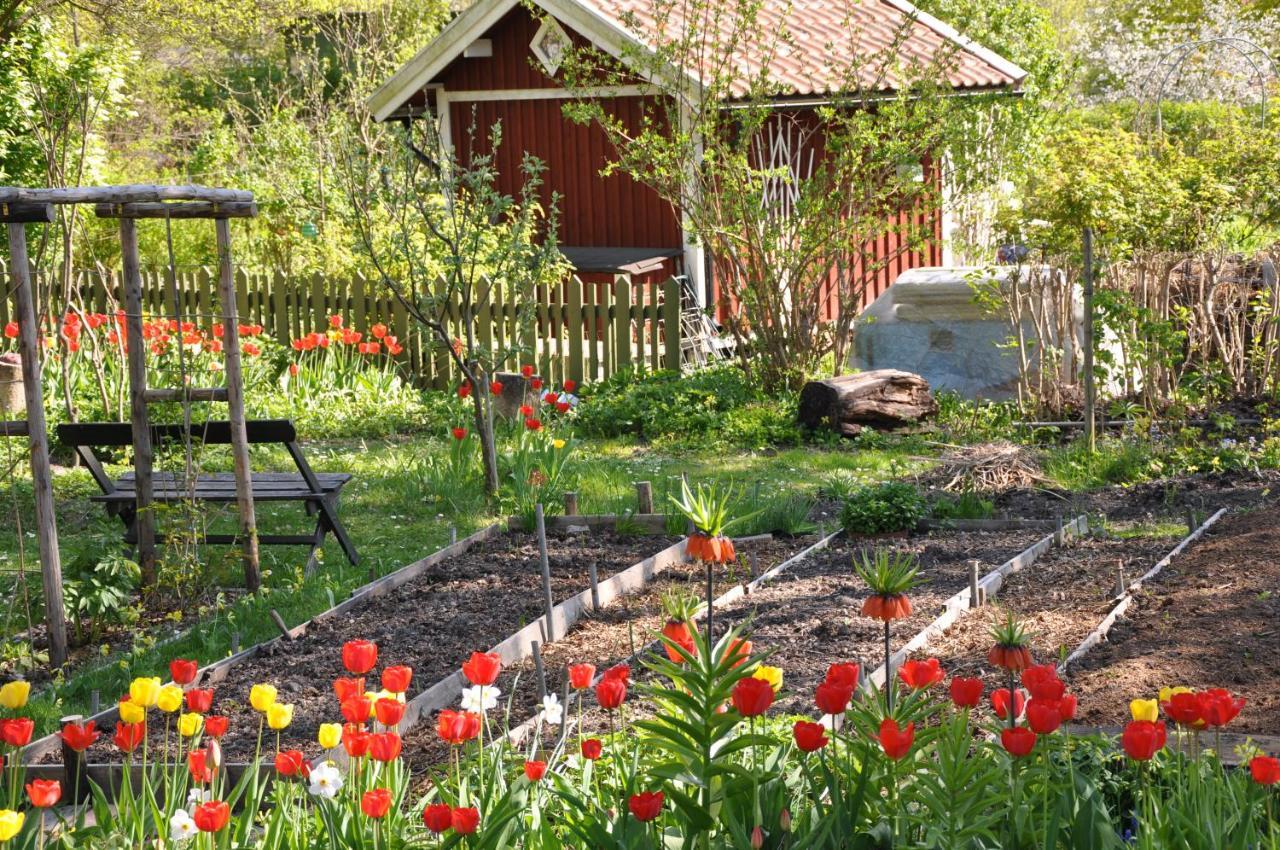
(965, 43)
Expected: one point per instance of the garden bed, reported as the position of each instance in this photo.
(1211, 619)
(1060, 601)
(467, 602)
(806, 618)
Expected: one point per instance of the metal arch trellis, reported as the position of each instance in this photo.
(1171, 62)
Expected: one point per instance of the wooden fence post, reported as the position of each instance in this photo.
(622, 321)
(38, 437)
(143, 454)
(671, 322)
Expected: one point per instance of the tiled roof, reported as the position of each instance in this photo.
(829, 45)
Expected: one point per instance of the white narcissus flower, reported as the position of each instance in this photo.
(181, 826)
(326, 781)
(552, 712)
(479, 699)
(196, 796)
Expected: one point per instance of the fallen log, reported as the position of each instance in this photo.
(883, 398)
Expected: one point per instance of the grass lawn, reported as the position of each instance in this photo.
(393, 518)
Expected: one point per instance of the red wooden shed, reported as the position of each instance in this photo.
(498, 61)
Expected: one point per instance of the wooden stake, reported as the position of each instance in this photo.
(539, 670)
(453, 534)
(975, 600)
(570, 503)
(644, 497)
(235, 405)
(1121, 585)
(143, 455)
(38, 439)
(235, 642)
(546, 571)
(1090, 392)
(280, 624)
(595, 586)
(1191, 519)
(95, 702)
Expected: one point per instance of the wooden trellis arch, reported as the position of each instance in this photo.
(20, 207)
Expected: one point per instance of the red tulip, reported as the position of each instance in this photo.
(526, 410)
(919, 675)
(346, 688)
(1042, 682)
(1043, 716)
(618, 671)
(396, 679)
(536, 384)
(843, 673)
(211, 816)
(198, 766)
(752, 697)
(335, 321)
(562, 407)
(533, 424)
(438, 818)
(1185, 709)
(1265, 770)
(43, 793)
(1067, 707)
(482, 668)
(526, 370)
(379, 330)
(215, 726)
(495, 387)
(895, 741)
(465, 821)
(355, 740)
(1019, 741)
(289, 762)
(611, 692)
(80, 737)
(359, 656)
(535, 770)
(16, 731)
(388, 711)
(1142, 739)
(385, 746)
(129, 735)
(966, 693)
(1218, 707)
(357, 709)
(809, 736)
(646, 805)
(570, 386)
(376, 803)
(200, 700)
(464, 389)
(581, 675)
(833, 698)
(1000, 703)
(183, 671)
(457, 727)
(591, 749)
(459, 433)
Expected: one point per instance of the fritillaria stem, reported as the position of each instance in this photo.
(710, 596)
(888, 669)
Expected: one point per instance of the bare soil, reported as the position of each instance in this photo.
(469, 602)
(1210, 619)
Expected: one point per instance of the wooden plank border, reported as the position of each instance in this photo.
(1125, 600)
(956, 607)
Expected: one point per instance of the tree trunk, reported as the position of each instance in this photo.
(884, 398)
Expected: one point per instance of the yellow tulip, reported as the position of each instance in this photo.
(1167, 693)
(262, 697)
(190, 724)
(145, 691)
(10, 823)
(131, 712)
(13, 695)
(1145, 709)
(772, 675)
(170, 698)
(279, 715)
(559, 444)
(330, 735)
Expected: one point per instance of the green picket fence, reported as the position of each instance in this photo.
(583, 331)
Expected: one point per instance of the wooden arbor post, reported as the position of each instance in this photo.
(37, 432)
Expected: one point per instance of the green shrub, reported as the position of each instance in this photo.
(966, 505)
(882, 509)
(712, 406)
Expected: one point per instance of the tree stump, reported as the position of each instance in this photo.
(517, 390)
(13, 404)
(884, 398)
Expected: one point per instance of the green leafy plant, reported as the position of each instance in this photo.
(965, 505)
(99, 593)
(882, 509)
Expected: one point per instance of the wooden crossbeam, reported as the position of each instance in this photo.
(153, 396)
(14, 429)
(180, 209)
(128, 194)
(26, 213)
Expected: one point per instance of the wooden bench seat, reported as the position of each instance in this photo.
(320, 492)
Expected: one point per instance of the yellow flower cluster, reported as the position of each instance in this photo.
(14, 695)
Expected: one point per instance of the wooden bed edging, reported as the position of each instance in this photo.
(1125, 600)
(1004, 524)
(217, 671)
(955, 607)
(1226, 743)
